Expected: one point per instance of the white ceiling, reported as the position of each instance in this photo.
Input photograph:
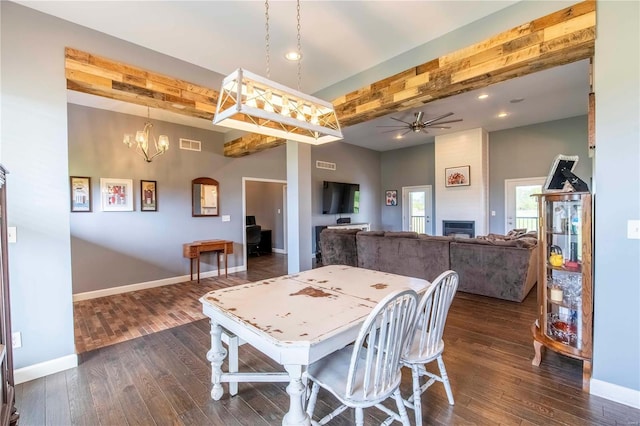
(224, 35)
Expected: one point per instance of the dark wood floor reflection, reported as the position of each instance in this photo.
(163, 378)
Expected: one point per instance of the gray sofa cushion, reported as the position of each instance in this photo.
(338, 247)
(503, 271)
(403, 254)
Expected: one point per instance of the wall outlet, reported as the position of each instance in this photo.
(16, 340)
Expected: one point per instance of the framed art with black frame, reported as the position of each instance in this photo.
(148, 196)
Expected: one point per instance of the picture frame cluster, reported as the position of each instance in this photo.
(116, 195)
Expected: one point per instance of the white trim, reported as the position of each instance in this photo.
(617, 393)
(149, 284)
(46, 368)
(280, 251)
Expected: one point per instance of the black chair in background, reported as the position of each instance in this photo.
(250, 220)
(253, 239)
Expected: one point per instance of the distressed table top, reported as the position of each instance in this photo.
(306, 309)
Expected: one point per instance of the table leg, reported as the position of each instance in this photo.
(191, 269)
(225, 261)
(216, 356)
(218, 258)
(198, 260)
(295, 389)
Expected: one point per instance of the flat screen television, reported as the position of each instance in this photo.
(340, 198)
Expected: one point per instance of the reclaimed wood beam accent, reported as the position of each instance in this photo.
(562, 37)
(100, 76)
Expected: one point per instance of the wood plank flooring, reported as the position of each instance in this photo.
(163, 377)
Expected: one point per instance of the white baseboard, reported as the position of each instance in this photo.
(149, 284)
(626, 396)
(278, 250)
(46, 368)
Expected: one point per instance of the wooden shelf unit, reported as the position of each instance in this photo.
(565, 325)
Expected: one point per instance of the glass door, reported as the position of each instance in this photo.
(520, 208)
(417, 209)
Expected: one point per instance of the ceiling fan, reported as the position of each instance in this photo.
(420, 126)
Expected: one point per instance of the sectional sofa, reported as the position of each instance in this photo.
(500, 266)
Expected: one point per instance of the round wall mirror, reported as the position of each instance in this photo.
(205, 196)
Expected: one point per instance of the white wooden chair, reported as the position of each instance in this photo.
(427, 344)
(362, 376)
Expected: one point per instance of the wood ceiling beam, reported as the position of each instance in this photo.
(560, 38)
(565, 36)
(100, 76)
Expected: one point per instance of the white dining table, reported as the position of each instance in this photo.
(295, 320)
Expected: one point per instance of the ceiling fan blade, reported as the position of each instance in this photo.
(444, 122)
(390, 131)
(408, 131)
(437, 118)
(424, 130)
(396, 126)
(438, 127)
(397, 119)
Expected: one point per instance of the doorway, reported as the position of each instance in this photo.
(264, 201)
(521, 209)
(417, 209)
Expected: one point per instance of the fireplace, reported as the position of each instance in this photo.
(459, 228)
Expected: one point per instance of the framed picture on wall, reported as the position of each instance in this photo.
(457, 176)
(117, 194)
(148, 196)
(80, 193)
(391, 197)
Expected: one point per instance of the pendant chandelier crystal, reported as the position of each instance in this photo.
(256, 104)
(142, 139)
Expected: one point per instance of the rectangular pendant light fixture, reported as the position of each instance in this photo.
(255, 104)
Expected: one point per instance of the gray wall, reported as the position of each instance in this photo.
(265, 202)
(405, 167)
(617, 175)
(529, 151)
(353, 165)
(111, 249)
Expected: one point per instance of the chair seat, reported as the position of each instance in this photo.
(331, 373)
(413, 354)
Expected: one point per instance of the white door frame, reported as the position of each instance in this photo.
(509, 192)
(428, 208)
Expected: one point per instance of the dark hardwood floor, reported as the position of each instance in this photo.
(164, 378)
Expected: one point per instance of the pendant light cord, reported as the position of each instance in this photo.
(266, 38)
(299, 48)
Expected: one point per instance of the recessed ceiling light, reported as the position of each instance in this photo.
(399, 137)
(502, 115)
(516, 100)
(178, 106)
(293, 56)
(484, 96)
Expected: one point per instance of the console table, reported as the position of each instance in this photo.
(192, 251)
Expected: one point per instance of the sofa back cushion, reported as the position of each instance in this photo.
(403, 254)
(497, 270)
(338, 247)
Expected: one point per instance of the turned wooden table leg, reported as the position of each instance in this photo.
(216, 356)
(538, 348)
(586, 375)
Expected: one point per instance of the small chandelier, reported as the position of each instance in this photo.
(142, 141)
(256, 104)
